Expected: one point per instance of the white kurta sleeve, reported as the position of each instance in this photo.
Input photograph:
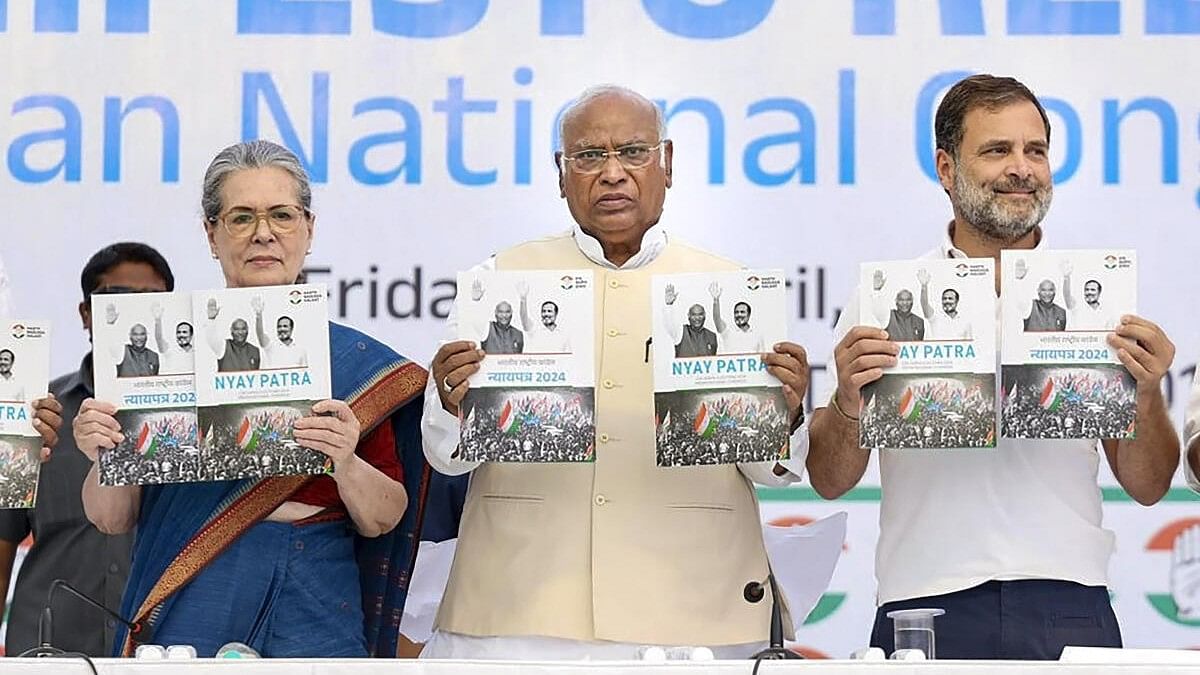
(440, 429)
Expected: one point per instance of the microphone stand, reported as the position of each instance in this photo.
(775, 651)
(45, 646)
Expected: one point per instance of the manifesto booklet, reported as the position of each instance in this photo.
(261, 363)
(533, 398)
(714, 401)
(24, 377)
(1059, 376)
(942, 391)
(143, 359)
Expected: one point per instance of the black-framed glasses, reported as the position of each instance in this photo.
(632, 156)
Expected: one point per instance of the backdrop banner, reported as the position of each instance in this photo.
(803, 142)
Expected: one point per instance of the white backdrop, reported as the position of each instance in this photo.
(801, 130)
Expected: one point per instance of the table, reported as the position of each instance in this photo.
(14, 666)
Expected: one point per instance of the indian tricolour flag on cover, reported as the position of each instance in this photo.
(1051, 396)
(248, 436)
(147, 442)
(910, 407)
(706, 422)
(510, 420)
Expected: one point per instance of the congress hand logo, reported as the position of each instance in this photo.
(1180, 539)
(1185, 573)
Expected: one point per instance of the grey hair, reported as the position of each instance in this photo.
(251, 155)
(599, 91)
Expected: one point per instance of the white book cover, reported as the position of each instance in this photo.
(1059, 377)
(143, 356)
(24, 377)
(533, 398)
(262, 361)
(714, 401)
(942, 391)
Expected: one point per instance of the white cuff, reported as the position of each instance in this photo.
(763, 473)
(440, 435)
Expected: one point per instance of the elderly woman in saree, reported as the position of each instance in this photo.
(294, 566)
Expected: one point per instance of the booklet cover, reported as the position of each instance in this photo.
(533, 398)
(942, 391)
(1060, 379)
(143, 360)
(261, 364)
(24, 377)
(714, 401)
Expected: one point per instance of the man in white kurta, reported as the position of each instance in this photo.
(592, 560)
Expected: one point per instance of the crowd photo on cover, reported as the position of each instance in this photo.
(712, 426)
(1068, 402)
(948, 410)
(529, 425)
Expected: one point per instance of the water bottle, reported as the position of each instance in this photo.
(236, 650)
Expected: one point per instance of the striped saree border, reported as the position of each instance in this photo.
(386, 392)
(374, 401)
(255, 504)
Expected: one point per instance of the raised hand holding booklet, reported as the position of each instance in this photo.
(1059, 376)
(24, 377)
(942, 391)
(533, 398)
(261, 364)
(714, 401)
(143, 358)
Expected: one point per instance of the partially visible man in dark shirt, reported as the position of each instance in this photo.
(65, 544)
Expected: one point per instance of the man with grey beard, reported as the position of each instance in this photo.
(1012, 534)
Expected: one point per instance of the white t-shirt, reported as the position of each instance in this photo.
(734, 340)
(950, 520)
(942, 326)
(1086, 317)
(175, 361)
(278, 355)
(541, 340)
(1191, 430)
(12, 390)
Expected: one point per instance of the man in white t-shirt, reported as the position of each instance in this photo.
(1091, 314)
(282, 352)
(1008, 541)
(1185, 558)
(11, 389)
(947, 323)
(547, 338)
(175, 358)
(739, 338)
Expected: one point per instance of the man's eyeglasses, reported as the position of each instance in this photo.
(592, 160)
(282, 220)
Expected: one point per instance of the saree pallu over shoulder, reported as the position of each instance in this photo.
(184, 527)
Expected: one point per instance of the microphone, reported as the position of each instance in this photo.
(753, 593)
(138, 632)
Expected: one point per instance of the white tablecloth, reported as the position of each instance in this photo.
(409, 667)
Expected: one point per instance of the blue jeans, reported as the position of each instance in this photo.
(286, 590)
(1028, 619)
